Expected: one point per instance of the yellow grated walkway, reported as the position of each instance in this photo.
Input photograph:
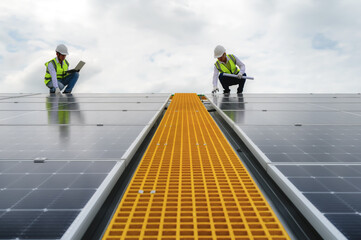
(190, 184)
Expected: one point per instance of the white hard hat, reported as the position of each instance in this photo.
(218, 51)
(62, 49)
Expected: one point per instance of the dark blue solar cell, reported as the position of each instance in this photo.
(4, 165)
(322, 157)
(7, 179)
(8, 198)
(23, 167)
(337, 185)
(30, 181)
(88, 181)
(318, 171)
(302, 158)
(38, 199)
(349, 147)
(352, 199)
(357, 168)
(112, 154)
(328, 203)
(75, 167)
(293, 171)
(356, 182)
(345, 158)
(50, 224)
(348, 224)
(319, 149)
(59, 181)
(48, 167)
(13, 223)
(343, 171)
(72, 199)
(278, 157)
(308, 185)
(100, 167)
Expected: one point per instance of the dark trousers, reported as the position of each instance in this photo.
(68, 82)
(229, 81)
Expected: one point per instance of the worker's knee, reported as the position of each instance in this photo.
(76, 75)
(221, 77)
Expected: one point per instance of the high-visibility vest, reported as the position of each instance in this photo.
(61, 115)
(232, 67)
(60, 70)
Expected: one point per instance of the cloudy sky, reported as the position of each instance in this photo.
(167, 45)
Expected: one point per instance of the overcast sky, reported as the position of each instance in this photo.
(167, 45)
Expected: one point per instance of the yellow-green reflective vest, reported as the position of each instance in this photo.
(229, 67)
(57, 116)
(60, 70)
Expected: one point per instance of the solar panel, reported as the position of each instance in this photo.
(32, 194)
(66, 142)
(70, 106)
(311, 145)
(60, 157)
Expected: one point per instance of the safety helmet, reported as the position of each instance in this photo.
(62, 49)
(218, 51)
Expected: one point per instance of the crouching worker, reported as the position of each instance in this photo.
(228, 64)
(56, 76)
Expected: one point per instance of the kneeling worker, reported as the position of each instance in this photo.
(227, 64)
(56, 76)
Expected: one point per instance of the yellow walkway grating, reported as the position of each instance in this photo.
(190, 184)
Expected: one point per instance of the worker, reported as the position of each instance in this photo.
(56, 76)
(227, 64)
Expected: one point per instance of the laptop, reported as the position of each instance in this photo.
(77, 68)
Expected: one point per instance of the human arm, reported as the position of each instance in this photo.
(240, 64)
(52, 72)
(215, 77)
(215, 80)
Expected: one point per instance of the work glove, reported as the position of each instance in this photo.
(57, 91)
(240, 75)
(215, 90)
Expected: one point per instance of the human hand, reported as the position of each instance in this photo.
(215, 90)
(240, 75)
(57, 91)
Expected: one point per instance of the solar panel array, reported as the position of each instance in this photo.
(61, 155)
(311, 145)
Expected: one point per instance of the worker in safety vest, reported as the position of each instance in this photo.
(56, 76)
(227, 63)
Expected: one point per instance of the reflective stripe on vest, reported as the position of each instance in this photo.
(60, 70)
(223, 69)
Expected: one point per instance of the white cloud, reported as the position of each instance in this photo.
(167, 46)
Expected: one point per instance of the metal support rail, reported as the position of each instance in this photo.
(190, 184)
